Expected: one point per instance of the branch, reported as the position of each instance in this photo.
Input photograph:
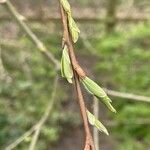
(38, 126)
(128, 96)
(45, 116)
(50, 57)
(20, 19)
(22, 138)
(89, 140)
(113, 93)
(77, 72)
(96, 114)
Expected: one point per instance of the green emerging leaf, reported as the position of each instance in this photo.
(66, 70)
(66, 6)
(74, 30)
(95, 122)
(97, 91)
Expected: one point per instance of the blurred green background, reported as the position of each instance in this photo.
(113, 48)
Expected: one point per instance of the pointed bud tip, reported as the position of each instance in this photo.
(69, 80)
(107, 133)
(114, 110)
(111, 108)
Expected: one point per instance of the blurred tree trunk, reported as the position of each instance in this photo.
(111, 15)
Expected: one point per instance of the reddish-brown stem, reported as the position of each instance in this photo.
(68, 41)
(78, 72)
(89, 140)
(82, 105)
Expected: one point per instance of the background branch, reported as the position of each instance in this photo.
(31, 35)
(38, 126)
(50, 56)
(96, 114)
(45, 116)
(114, 93)
(21, 138)
(128, 96)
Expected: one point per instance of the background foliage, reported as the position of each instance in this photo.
(120, 62)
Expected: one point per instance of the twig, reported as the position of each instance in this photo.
(128, 96)
(38, 126)
(91, 49)
(30, 34)
(22, 138)
(89, 139)
(43, 50)
(45, 116)
(113, 93)
(96, 114)
(50, 56)
(77, 72)
(108, 123)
